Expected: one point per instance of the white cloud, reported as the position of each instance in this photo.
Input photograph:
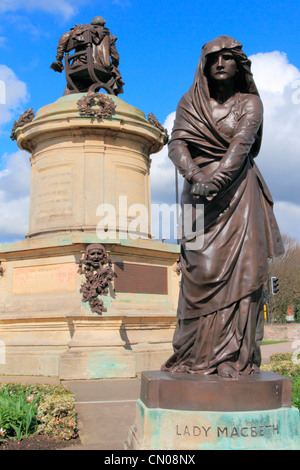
(288, 218)
(278, 82)
(15, 175)
(14, 196)
(163, 171)
(14, 216)
(15, 178)
(272, 71)
(61, 7)
(13, 94)
(279, 156)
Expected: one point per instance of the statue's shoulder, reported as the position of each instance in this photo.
(251, 103)
(249, 98)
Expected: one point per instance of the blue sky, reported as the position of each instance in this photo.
(159, 43)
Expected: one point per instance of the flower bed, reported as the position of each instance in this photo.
(41, 410)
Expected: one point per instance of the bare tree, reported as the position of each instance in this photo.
(287, 269)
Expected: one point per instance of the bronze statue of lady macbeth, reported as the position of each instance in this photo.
(216, 136)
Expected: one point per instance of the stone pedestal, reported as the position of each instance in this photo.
(47, 329)
(81, 164)
(183, 412)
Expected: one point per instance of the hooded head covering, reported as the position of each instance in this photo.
(194, 122)
(244, 82)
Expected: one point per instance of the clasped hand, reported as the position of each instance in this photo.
(204, 188)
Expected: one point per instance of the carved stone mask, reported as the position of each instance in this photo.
(95, 256)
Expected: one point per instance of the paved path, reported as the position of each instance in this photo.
(269, 349)
(106, 408)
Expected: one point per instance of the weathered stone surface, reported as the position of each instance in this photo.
(164, 429)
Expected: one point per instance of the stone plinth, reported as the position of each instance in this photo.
(46, 328)
(182, 412)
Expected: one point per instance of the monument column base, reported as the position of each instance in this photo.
(92, 363)
(204, 426)
(47, 329)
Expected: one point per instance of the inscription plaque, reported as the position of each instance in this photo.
(54, 195)
(45, 279)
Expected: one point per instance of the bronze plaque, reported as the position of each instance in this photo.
(140, 279)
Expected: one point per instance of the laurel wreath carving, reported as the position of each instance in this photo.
(25, 118)
(154, 122)
(96, 105)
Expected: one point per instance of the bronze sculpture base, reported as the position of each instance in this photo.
(261, 391)
(188, 412)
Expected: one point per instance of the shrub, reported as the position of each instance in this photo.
(286, 368)
(281, 357)
(19, 388)
(56, 416)
(296, 393)
(283, 364)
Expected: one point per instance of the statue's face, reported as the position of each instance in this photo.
(222, 66)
